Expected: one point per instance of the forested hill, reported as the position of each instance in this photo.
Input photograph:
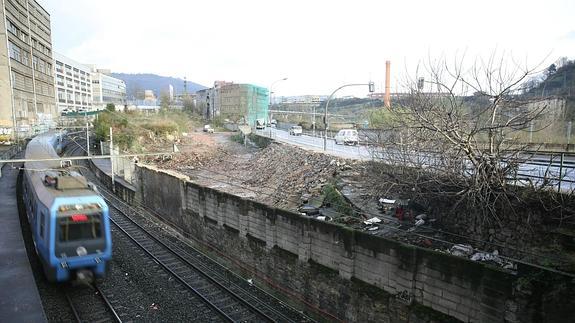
(137, 83)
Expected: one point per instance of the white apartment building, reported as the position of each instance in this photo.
(73, 85)
(107, 89)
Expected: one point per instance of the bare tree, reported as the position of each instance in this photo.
(456, 136)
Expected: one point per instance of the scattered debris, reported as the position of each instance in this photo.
(422, 216)
(372, 220)
(461, 250)
(309, 210)
(324, 218)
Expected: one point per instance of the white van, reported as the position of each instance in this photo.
(347, 137)
(295, 131)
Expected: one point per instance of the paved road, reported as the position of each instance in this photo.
(316, 144)
(535, 170)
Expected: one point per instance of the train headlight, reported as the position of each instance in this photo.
(81, 251)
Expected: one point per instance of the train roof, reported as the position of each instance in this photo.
(42, 147)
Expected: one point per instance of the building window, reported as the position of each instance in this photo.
(25, 58)
(42, 66)
(24, 37)
(11, 28)
(35, 62)
(14, 51)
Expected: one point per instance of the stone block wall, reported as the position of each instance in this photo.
(338, 272)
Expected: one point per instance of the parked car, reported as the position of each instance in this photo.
(295, 131)
(208, 128)
(260, 124)
(347, 137)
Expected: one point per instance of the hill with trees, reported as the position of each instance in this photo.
(137, 83)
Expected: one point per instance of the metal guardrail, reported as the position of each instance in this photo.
(556, 167)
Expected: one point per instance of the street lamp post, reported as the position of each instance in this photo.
(325, 120)
(270, 104)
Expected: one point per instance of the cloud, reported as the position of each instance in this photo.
(569, 36)
(317, 45)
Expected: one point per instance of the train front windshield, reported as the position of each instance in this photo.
(79, 222)
(80, 226)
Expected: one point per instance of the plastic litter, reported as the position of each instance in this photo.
(386, 201)
(419, 222)
(372, 220)
(461, 250)
(324, 218)
(422, 216)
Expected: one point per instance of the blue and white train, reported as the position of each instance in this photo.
(70, 221)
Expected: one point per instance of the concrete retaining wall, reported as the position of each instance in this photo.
(345, 274)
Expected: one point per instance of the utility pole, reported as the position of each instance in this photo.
(87, 139)
(112, 161)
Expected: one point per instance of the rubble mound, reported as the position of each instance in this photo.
(290, 172)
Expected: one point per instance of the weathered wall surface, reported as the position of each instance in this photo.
(350, 275)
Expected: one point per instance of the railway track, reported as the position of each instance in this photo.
(231, 297)
(90, 304)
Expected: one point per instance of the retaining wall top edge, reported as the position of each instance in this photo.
(165, 171)
(362, 239)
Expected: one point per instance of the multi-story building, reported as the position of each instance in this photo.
(237, 101)
(107, 89)
(26, 79)
(203, 103)
(73, 85)
(242, 103)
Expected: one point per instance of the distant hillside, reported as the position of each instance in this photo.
(137, 83)
(554, 81)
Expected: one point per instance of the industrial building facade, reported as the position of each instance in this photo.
(239, 103)
(27, 101)
(73, 85)
(107, 89)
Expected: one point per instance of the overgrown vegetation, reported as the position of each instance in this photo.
(451, 147)
(239, 138)
(131, 127)
(334, 199)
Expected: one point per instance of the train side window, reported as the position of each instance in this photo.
(42, 218)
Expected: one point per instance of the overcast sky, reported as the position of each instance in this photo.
(317, 45)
